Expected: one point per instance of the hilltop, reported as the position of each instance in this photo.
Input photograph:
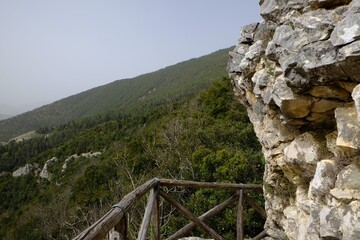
(123, 97)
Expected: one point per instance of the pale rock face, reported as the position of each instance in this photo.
(45, 172)
(330, 222)
(351, 221)
(301, 156)
(298, 75)
(348, 128)
(356, 97)
(28, 168)
(347, 31)
(324, 177)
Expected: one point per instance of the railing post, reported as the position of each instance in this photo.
(240, 217)
(156, 213)
(147, 216)
(121, 228)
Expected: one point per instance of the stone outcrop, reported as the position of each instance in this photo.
(298, 74)
(45, 172)
(76, 156)
(28, 168)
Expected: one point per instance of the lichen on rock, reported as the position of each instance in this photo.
(298, 74)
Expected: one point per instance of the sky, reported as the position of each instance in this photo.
(53, 49)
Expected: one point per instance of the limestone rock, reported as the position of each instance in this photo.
(236, 57)
(330, 222)
(315, 117)
(45, 172)
(297, 73)
(317, 24)
(286, 36)
(325, 105)
(252, 58)
(349, 177)
(247, 33)
(291, 105)
(301, 156)
(356, 96)
(347, 31)
(24, 170)
(348, 128)
(329, 92)
(348, 86)
(324, 178)
(351, 221)
(327, 3)
(291, 222)
(76, 156)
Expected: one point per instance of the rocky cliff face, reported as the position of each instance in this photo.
(298, 73)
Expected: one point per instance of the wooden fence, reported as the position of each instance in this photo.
(116, 218)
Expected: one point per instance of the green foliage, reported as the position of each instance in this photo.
(206, 139)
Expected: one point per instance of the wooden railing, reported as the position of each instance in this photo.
(115, 220)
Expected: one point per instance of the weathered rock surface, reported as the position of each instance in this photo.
(76, 156)
(298, 75)
(45, 172)
(24, 170)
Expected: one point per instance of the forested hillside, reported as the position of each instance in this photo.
(206, 138)
(128, 96)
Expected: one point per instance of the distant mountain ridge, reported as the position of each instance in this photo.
(129, 95)
(4, 116)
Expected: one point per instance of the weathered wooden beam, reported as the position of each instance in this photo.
(240, 217)
(156, 214)
(122, 228)
(212, 212)
(147, 216)
(256, 206)
(189, 215)
(260, 235)
(99, 229)
(192, 184)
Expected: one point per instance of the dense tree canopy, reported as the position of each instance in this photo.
(209, 138)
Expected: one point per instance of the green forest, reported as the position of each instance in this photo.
(141, 94)
(206, 137)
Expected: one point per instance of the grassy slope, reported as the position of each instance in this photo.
(129, 95)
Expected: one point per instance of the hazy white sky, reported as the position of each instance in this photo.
(52, 49)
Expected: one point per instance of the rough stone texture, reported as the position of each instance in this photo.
(76, 156)
(348, 128)
(24, 170)
(44, 172)
(324, 177)
(298, 75)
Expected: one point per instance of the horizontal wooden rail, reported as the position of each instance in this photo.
(190, 216)
(215, 185)
(116, 218)
(100, 228)
(212, 212)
